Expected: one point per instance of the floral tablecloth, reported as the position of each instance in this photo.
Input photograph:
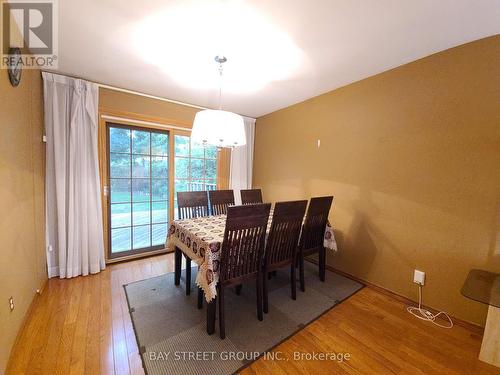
(200, 239)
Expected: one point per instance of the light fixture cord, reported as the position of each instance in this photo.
(221, 68)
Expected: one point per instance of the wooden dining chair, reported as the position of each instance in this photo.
(251, 196)
(242, 252)
(190, 204)
(313, 235)
(220, 200)
(282, 243)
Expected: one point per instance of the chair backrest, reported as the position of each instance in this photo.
(283, 239)
(220, 200)
(251, 196)
(192, 204)
(313, 231)
(243, 244)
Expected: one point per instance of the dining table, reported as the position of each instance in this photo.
(200, 239)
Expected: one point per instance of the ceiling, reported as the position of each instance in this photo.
(279, 52)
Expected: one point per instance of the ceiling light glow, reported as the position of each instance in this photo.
(183, 40)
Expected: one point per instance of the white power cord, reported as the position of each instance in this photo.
(425, 314)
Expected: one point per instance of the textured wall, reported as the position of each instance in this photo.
(22, 195)
(412, 157)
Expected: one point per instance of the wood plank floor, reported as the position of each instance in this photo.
(82, 326)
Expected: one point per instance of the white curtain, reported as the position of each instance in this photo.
(74, 217)
(240, 176)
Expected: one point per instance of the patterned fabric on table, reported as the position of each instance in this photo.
(201, 238)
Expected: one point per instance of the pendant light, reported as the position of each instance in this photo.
(217, 127)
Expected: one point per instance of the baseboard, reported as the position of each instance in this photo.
(473, 327)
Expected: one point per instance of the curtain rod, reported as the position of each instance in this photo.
(114, 88)
(142, 122)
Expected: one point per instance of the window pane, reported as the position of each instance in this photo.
(160, 190)
(176, 211)
(181, 167)
(197, 150)
(140, 189)
(211, 169)
(140, 166)
(181, 143)
(197, 185)
(197, 168)
(142, 236)
(180, 185)
(159, 144)
(119, 165)
(211, 152)
(160, 167)
(119, 140)
(142, 213)
(121, 240)
(159, 234)
(120, 215)
(160, 212)
(140, 142)
(120, 191)
(211, 184)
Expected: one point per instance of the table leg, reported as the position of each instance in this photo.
(490, 347)
(200, 298)
(188, 276)
(177, 266)
(211, 307)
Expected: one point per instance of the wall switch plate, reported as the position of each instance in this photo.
(419, 277)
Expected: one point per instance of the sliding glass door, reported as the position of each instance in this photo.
(138, 180)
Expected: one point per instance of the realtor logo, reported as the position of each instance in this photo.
(30, 26)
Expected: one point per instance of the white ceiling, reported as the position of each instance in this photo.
(279, 52)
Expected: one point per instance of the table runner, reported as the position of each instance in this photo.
(200, 239)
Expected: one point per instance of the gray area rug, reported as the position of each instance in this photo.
(171, 331)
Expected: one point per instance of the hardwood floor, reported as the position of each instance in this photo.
(82, 326)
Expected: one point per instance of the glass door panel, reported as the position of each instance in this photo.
(195, 167)
(139, 190)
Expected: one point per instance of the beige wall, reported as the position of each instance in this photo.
(412, 157)
(22, 176)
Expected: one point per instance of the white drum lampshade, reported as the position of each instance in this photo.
(219, 128)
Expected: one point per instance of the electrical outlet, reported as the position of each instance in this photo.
(419, 277)
(11, 303)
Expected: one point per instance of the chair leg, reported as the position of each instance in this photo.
(177, 266)
(211, 307)
(301, 272)
(238, 289)
(293, 282)
(322, 264)
(260, 277)
(188, 276)
(200, 298)
(222, 323)
(265, 293)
